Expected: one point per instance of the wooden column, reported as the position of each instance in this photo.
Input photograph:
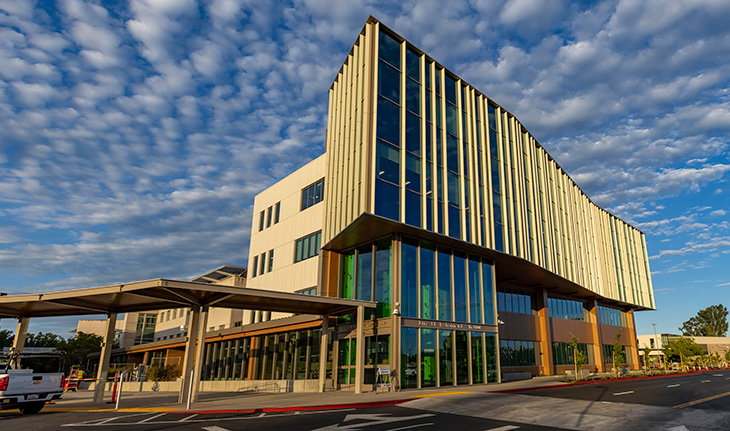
(545, 332)
(597, 336)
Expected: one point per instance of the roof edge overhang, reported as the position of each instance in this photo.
(509, 269)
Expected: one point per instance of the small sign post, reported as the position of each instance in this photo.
(383, 378)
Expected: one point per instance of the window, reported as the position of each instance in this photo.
(261, 221)
(312, 291)
(277, 208)
(563, 353)
(611, 316)
(313, 194)
(567, 309)
(271, 260)
(268, 217)
(514, 301)
(514, 353)
(307, 247)
(255, 266)
(263, 263)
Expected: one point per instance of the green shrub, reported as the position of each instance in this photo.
(165, 373)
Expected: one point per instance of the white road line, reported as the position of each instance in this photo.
(411, 426)
(705, 381)
(673, 386)
(717, 375)
(262, 415)
(188, 417)
(151, 417)
(624, 393)
(215, 428)
(504, 428)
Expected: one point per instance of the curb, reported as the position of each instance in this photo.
(300, 408)
(590, 382)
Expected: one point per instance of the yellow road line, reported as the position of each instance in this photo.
(701, 400)
(440, 394)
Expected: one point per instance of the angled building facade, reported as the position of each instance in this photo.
(484, 256)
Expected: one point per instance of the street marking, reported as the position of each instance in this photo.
(679, 428)
(151, 417)
(441, 394)
(370, 420)
(717, 375)
(624, 393)
(411, 426)
(701, 400)
(673, 386)
(215, 428)
(262, 414)
(188, 417)
(705, 381)
(504, 428)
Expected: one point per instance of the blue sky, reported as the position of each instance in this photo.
(135, 134)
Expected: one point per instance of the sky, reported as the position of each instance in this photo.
(135, 134)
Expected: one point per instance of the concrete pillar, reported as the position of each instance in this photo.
(360, 350)
(20, 333)
(323, 354)
(189, 357)
(106, 353)
(200, 355)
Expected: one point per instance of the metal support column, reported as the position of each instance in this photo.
(360, 350)
(200, 354)
(189, 353)
(106, 353)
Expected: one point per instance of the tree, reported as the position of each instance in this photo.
(76, 349)
(42, 365)
(682, 348)
(618, 353)
(578, 358)
(710, 322)
(6, 338)
(647, 358)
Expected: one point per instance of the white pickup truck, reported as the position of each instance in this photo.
(26, 390)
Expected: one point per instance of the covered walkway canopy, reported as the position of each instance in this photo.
(162, 294)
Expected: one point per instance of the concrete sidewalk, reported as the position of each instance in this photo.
(210, 402)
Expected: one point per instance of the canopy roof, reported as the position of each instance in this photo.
(162, 294)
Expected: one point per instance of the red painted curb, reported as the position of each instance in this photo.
(301, 408)
(589, 382)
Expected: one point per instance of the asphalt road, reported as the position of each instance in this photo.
(707, 390)
(366, 419)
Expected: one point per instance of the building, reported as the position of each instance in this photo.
(483, 255)
(710, 345)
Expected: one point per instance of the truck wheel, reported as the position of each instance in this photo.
(32, 408)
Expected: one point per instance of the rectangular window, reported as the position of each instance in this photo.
(261, 221)
(271, 260)
(263, 263)
(308, 246)
(312, 194)
(255, 266)
(277, 208)
(515, 301)
(268, 217)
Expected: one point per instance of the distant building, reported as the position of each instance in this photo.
(709, 345)
(483, 255)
